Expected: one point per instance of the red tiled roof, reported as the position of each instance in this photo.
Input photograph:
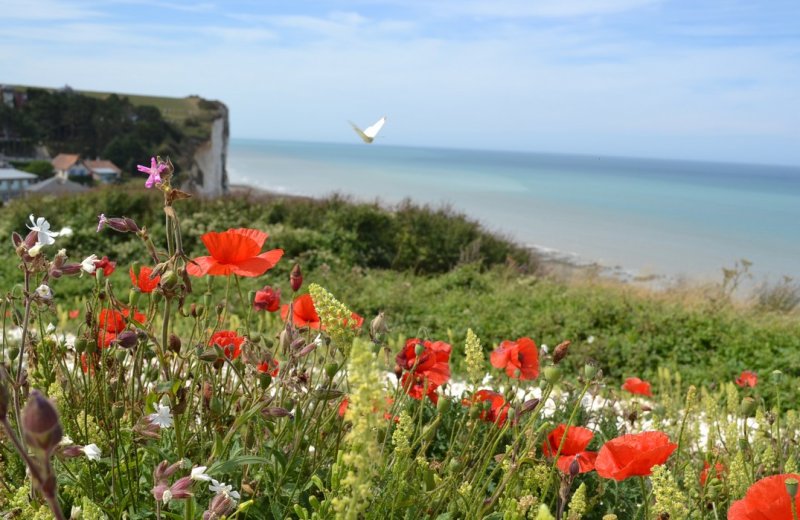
(64, 161)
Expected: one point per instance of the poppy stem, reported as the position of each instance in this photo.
(645, 499)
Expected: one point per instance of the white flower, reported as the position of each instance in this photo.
(66, 441)
(50, 328)
(199, 473)
(92, 451)
(45, 237)
(590, 340)
(76, 513)
(35, 250)
(44, 292)
(162, 418)
(88, 264)
(166, 496)
(66, 231)
(224, 489)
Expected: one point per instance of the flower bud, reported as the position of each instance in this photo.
(284, 340)
(209, 355)
(175, 343)
(182, 488)
(296, 278)
(443, 405)
(552, 374)
(560, 351)
(127, 339)
(791, 487)
(276, 411)
(331, 369)
(40, 423)
(419, 349)
(777, 376)
(574, 467)
(749, 407)
(264, 380)
(118, 410)
(589, 371)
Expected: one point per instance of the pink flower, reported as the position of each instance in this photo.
(154, 172)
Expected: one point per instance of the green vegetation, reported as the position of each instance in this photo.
(179, 378)
(125, 129)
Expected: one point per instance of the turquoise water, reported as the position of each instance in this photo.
(642, 216)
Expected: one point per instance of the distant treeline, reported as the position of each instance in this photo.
(66, 121)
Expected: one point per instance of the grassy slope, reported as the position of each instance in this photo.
(409, 264)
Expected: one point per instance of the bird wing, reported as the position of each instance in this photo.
(373, 130)
(361, 134)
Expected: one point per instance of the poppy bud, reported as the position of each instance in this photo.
(748, 406)
(398, 371)
(283, 340)
(443, 405)
(560, 351)
(127, 339)
(589, 371)
(169, 279)
(791, 487)
(13, 352)
(777, 376)
(175, 343)
(552, 374)
(209, 355)
(331, 369)
(296, 278)
(40, 423)
(276, 411)
(574, 467)
(118, 410)
(419, 348)
(264, 380)
(455, 465)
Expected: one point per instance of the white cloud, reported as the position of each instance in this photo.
(43, 10)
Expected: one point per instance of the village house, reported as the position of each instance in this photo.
(71, 166)
(13, 182)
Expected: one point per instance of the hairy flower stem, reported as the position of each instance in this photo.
(18, 386)
(575, 408)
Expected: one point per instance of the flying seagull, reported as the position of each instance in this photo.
(369, 134)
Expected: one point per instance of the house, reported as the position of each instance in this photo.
(57, 185)
(69, 165)
(13, 182)
(103, 171)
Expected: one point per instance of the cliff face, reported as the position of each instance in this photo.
(208, 175)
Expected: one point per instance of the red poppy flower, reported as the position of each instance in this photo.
(143, 281)
(433, 362)
(229, 342)
(747, 378)
(86, 368)
(719, 471)
(355, 321)
(637, 386)
(416, 386)
(235, 251)
(767, 499)
(522, 355)
(633, 455)
(498, 410)
(112, 322)
(270, 367)
(73, 314)
(105, 265)
(303, 312)
(576, 439)
(267, 299)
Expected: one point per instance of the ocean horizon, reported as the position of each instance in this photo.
(634, 217)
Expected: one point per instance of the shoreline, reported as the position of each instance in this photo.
(564, 266)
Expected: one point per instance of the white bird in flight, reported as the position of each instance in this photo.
(368, 135)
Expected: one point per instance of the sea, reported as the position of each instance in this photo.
(633, 218)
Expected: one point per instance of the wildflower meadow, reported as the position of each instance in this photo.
(234, 384)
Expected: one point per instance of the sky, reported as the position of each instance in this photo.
(683, 79)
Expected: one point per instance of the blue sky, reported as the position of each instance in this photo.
(710, 79)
